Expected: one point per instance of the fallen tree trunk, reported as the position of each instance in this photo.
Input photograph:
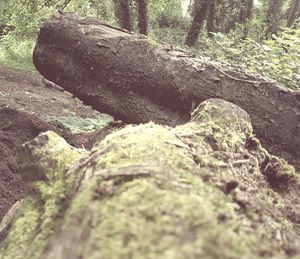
(151, 191)
(137, 80)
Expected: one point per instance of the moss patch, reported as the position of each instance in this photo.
(199, 190)
(48, 155)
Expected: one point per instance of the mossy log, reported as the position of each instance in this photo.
(205, 189)
(138, 80)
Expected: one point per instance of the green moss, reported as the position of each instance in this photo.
(156, 218)
(143, 192)
(134, 143)
(50, 155)
(18, 242)
(77, 123)
(83, 198)
(149, 201)
(281, 172)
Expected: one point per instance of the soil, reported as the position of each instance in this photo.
(24, 103)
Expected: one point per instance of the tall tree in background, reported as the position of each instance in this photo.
(199, 15)
(294, 11)
(122, 10)
(246, 10)
(143, 16)
(273, 16)
(211, 18)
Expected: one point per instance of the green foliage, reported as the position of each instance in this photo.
(79, 124)
(277, 58)
(169, 35)
(16, 53)
(26, 16)
(243, 45)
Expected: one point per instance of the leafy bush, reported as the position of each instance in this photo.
(278, 58)
(16, 53)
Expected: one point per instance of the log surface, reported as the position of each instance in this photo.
(137, 80)
(205, 189)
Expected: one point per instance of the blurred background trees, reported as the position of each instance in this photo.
(260, 35)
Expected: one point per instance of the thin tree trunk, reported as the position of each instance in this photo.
(273, 16)
(200, 11)
(143, 16)
(211, 18)
(246, 11)
(123, 14)
(293, 11)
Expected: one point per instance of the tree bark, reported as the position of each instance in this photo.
(200, 12)
(137, 80)
(143, 16)
(293, 11)
(211, 18)
(273, 16)
(246, 11)
(123, 14)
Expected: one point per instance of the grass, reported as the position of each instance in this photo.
(77, 123)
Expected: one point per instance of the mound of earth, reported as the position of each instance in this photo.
(24, 103)
(15, 129)
(25, 91)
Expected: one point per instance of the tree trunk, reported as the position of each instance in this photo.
(293, 11)
(274, 16)
(143, 16)
(245, 16)
(211, 18)
(205, 189)
(246, 11)
(200, 12)
(137, 80)
(122, 10)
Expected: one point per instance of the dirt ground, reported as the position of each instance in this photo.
(25, 91)
(24, 102)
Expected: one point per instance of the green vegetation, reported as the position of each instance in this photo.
(79, 124)
(16, 53)
(41, 209)
(244, 33)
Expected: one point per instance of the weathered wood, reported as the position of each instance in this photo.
(137, 80)
(151, 191)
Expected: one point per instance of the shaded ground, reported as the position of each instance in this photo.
(24, 103)
(15, 129)
(25, 91)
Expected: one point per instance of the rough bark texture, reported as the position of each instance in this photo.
(122, 10)
(246, 10)
(205, 189)
(211, 18)
(143, 16)
(273, 16)
(200, 12)
(293, 12)
(137, 80)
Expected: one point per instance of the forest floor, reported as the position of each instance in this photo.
(25, 91)
(25, 103)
